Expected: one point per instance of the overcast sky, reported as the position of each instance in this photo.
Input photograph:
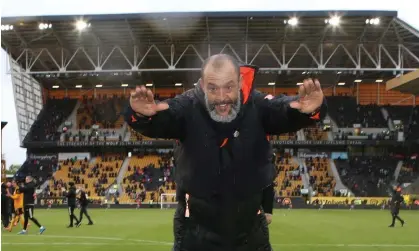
(16, 155)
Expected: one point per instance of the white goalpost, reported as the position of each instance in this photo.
(168, 200)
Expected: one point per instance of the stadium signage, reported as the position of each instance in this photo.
(150, 143)
(170, 143)
(43, 157)
(318, 142)
(314, 155)
(349, 200)
(106, 143)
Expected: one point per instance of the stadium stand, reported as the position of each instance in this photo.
(367, 176)
(94, 176)
(399, 112)
(346, 112)
(54, 113)
(413, 128)
(147, 177)
(409, 171)
(288, 181)
(103, 111)
(320, 179)
(40, 169)
(315, 133)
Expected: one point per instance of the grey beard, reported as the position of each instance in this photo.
(235, 109)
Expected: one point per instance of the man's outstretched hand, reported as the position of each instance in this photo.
(142, 102)
(310, 97)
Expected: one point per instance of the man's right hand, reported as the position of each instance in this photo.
(268, 218)
(142, 102)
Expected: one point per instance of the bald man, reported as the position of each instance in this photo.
(223, 163)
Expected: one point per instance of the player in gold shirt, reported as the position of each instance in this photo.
(18, 205)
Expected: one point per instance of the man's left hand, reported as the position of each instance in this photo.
(268, 218)
(310, 97)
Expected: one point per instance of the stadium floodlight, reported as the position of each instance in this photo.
(149, 85)
(98, 86)
(81, 25)
(79, 86)
(44, 26)
(55, 86)
(341, 83)
(178, 84)
(271, 83)
(299, 83)
(358, 80)
(335, 21)
(6, 27)
(378, 80)
(374, 21)
(124, 85)
(292, 21)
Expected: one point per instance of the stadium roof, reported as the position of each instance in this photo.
(168, 48)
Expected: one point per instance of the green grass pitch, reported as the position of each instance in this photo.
(151, 230)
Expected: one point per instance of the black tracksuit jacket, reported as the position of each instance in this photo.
(83, 199)
(28, 190)
(225, 183)
(71, 196)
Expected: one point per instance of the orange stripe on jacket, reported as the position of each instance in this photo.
(248, 75)
(224, 142)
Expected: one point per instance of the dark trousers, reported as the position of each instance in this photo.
(5, 216)
(29, 215)
(83, 210)
(395, 215)
(71, 214)
(191, 237)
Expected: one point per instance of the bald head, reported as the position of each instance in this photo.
(221, 82)
(218, 62)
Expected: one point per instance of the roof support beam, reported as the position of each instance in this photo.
(208, 36)
(131, 33)
(26, 45)
(64, 47)
(246, 35)
(307, 61)
(407, 27)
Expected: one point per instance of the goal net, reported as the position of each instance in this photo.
(168, 200)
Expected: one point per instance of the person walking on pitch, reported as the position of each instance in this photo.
(71, 201)
(395, 202)
(28, 190)
(84, 201)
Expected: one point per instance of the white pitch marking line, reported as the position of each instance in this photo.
(170, 243)
(69, 236)
(129, 244)
(71, 243)
(350, 245)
